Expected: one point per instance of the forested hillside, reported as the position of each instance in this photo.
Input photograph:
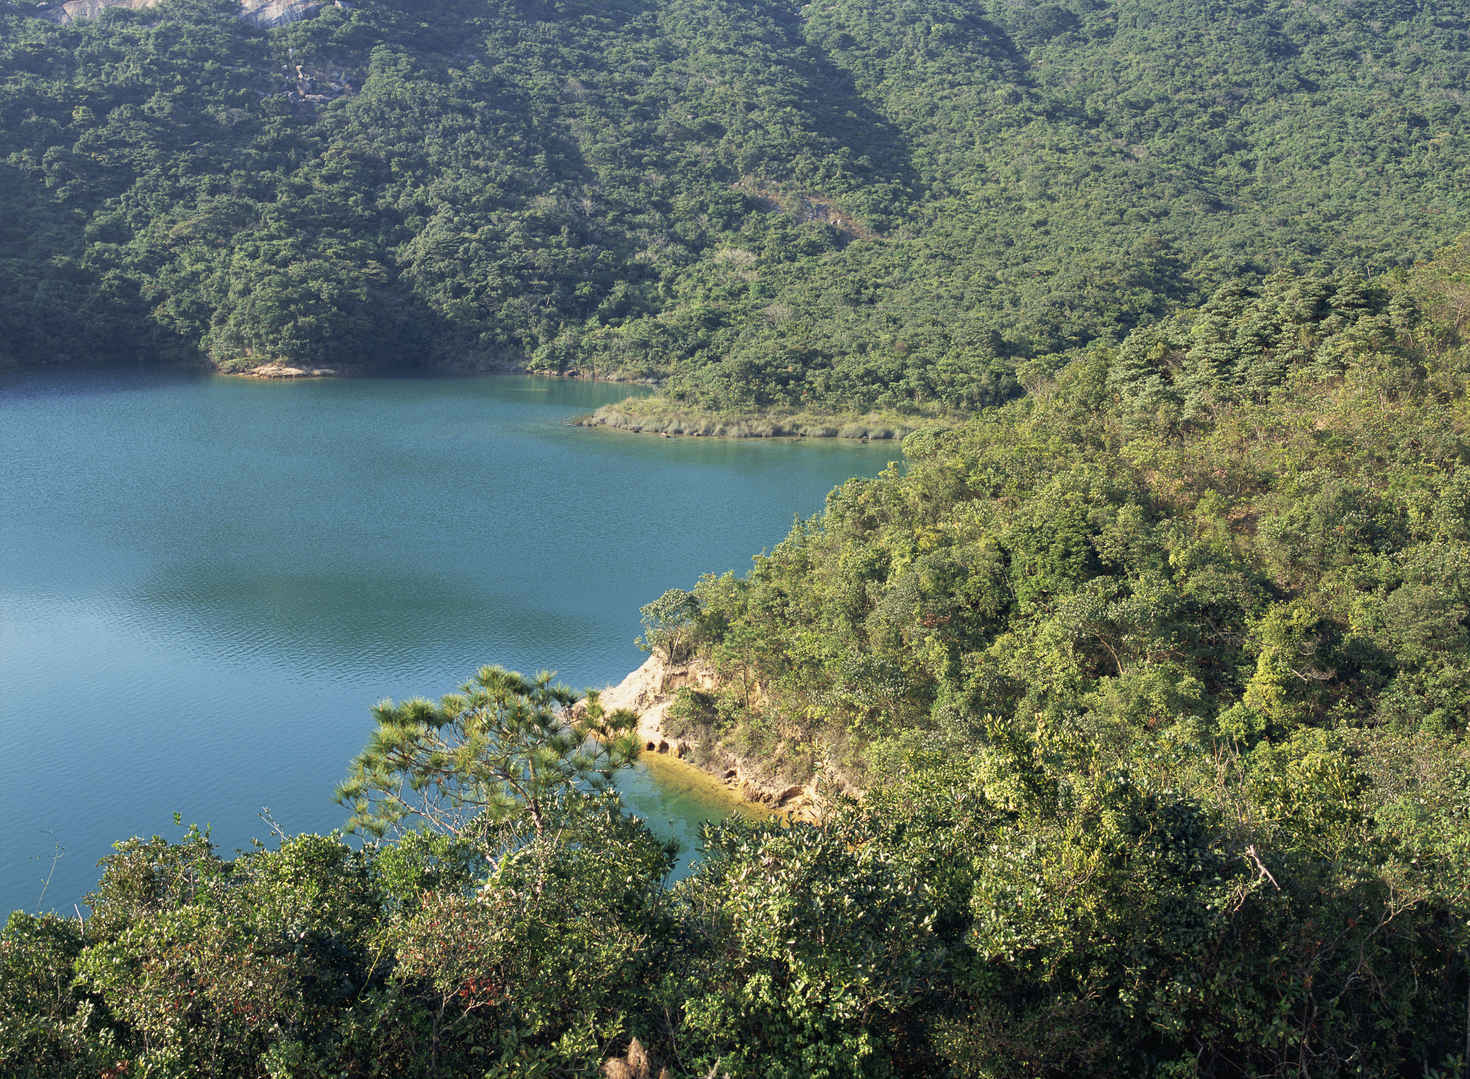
(1156, 679)
(1153, 675)
(1242, 523)
(845, 205)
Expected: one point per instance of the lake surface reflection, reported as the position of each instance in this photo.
(206, 582)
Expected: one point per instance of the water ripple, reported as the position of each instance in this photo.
(205, 583)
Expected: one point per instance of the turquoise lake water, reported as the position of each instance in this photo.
(205, 583)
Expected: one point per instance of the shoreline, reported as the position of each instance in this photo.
(681, 775)
(672, 423)
(624, 416)
(284, 372)
(650, 690)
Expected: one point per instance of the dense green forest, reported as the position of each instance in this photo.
(847, 205)
(1156, 680)
(1245, 519)
(1148, 682)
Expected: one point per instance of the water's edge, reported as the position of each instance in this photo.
(649, 691)
(206, 582)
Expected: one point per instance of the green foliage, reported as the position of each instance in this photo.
(44, 1022)
(1237, 521)
(814, 943)
(311, 960)
(252, 965)
(504, 746)
(1156, 680)
(1026, 906)
(881, 210)
(669, 624)
(536, 970)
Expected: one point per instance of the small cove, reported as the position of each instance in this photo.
(205, 583)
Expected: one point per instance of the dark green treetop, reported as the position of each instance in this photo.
(504, 745)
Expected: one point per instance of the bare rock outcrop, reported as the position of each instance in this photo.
(636, 1064)
(73, 10)
(649, 692)
(288, 371)
(277, 12)
(258, 12)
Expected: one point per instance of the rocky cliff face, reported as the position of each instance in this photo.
(650, 691)
(258, 12)
(90, 9)
(277, 12)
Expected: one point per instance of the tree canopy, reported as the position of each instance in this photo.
(851, 206)
(1139, 699)
(504, 746)
(1154, 687)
